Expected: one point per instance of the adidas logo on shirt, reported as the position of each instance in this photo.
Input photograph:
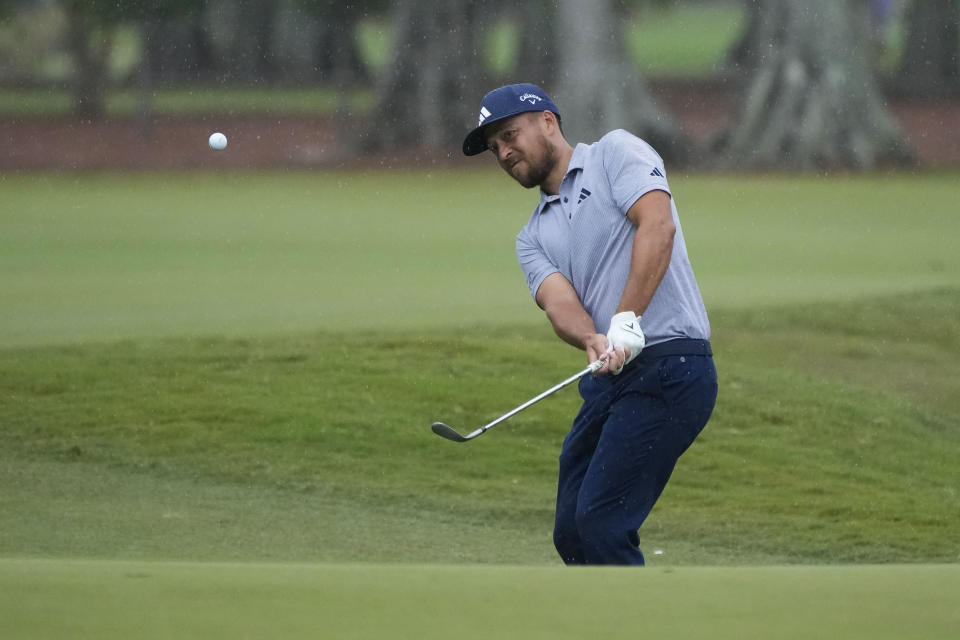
(656, 172)
(584, 194)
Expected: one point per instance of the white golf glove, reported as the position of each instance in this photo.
(625, 332)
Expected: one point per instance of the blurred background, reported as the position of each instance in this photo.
(713, 84)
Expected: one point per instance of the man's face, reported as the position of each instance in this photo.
(522, 148)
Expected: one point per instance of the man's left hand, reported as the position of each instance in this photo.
(625, 334)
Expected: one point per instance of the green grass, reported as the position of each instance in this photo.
(242, 368)
(684, 38)
(775, 240)
(94, 257)
(820, 452)
(196, 101)
(291, 331)
(105, 257)
(146, 600)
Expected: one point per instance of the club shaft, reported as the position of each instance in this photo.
(590, 369)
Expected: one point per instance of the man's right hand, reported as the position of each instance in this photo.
(598, 347)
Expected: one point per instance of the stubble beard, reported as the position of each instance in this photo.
(538, 169)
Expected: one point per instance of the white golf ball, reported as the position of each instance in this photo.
(218, 141)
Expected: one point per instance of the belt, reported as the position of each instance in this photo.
(678, 347)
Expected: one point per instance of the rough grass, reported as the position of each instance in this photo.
(821, 448)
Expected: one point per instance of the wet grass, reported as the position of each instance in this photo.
(108, 600)
(833, 441)
(243, 368)
(108, 256)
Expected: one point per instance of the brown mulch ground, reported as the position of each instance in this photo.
(932, 129)
(167, 143)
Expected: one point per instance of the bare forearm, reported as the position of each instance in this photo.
(652, 247)
(650, 259)
(562, 305)
(570, 322)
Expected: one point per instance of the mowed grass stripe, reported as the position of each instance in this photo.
(104, 257)
(104, 600)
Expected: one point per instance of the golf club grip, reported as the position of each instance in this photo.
(596, 365)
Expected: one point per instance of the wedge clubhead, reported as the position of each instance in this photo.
(446, 431)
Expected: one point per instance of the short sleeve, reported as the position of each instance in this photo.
(633, 167)
(534, 262)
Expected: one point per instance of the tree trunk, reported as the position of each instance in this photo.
(811, 100)
(741, 54)
(535, 62)
(598, 89)
(90, 47)
(145, 79)
(929, 65)
(337, 55)
(429, 94)
(251, 54)
(178, 48)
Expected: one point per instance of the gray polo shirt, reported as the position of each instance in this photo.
(584, 234)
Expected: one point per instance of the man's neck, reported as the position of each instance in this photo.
(551, 186)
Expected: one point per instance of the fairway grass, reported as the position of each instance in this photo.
(107, 600)
(102, 257)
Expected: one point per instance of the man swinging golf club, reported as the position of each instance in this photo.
(604, 257)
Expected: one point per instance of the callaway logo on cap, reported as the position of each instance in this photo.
(503, 103)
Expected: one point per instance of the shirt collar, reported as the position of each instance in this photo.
(577, 161)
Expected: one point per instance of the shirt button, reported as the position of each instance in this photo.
(566, 199)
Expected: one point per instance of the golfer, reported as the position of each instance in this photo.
(604, 257)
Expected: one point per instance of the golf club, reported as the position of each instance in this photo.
(445, 431)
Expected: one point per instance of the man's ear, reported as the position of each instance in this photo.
(551, 121)
(550, 118)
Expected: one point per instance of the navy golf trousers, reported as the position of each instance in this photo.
(623, 446)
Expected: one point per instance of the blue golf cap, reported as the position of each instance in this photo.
(503, 103)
